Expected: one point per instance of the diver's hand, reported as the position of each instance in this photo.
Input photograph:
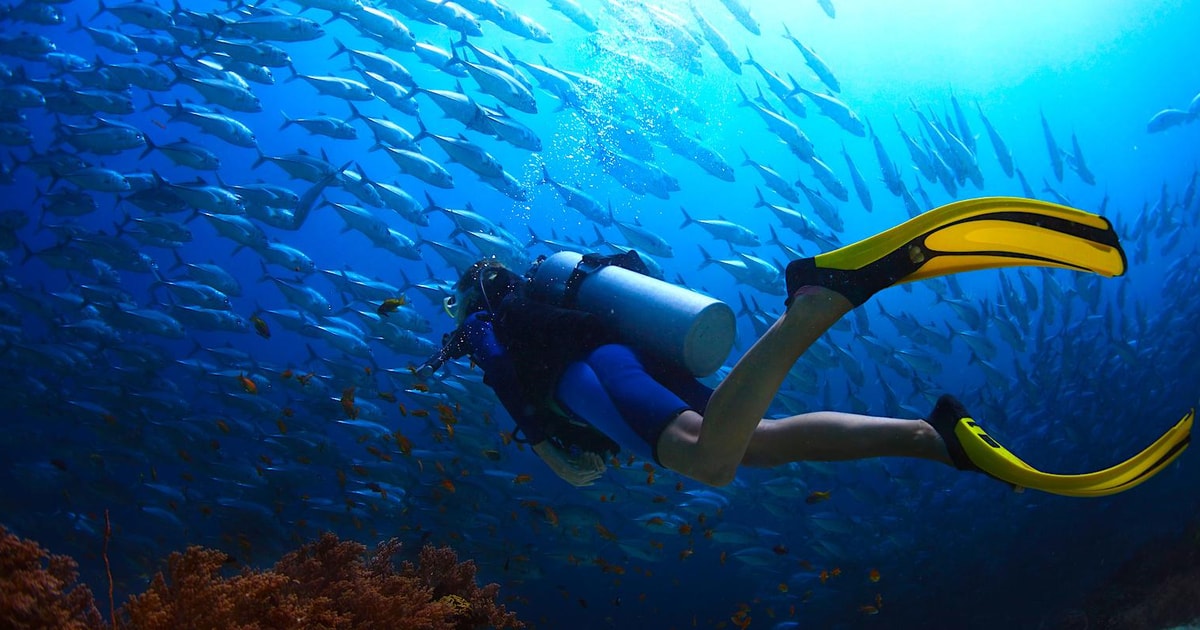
(580, 470)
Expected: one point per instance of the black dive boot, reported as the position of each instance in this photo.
(946, 414)
(857, 285)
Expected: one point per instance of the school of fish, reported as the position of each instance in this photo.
(231, 226)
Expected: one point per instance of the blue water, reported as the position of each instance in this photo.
(178, 456)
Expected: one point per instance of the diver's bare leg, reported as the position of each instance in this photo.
(739, 402)
(833, 436)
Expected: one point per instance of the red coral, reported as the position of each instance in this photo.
(439, 568)
(38, 590)
(325, 583)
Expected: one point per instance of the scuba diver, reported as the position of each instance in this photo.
(586, 351)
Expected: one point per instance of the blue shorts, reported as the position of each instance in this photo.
(629, 400)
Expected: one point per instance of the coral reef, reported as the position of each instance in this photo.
(1158, 587)
(325, 583)
(38, 590)
(328, 583)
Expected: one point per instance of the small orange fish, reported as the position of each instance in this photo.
(247, 384)
(260, 326)
(873, 575)
(685, 529)
(390, 305)
(387, 396)
(448, 485)
(522, 479)
(303, 380)
(604, 532)
(685, 554)
(724, 556)
(551, 516)
(868, 610)
(741, 618)
(281, 425)
(348, 405)
(817, 496)
(421, 387)
(834, 572)
(223, 426)
(783, 587)
(286, 374)
(419, 413)
(375, 450)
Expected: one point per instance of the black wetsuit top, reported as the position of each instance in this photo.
(523, 348)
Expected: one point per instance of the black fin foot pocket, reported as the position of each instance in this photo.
(946, 414)
(857, 285)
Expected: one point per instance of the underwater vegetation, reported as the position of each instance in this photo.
(327, 583)
(1158, 586)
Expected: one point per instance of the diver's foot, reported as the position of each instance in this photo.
(946, 414)
(856, 286)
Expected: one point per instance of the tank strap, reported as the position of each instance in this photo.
(591, 263)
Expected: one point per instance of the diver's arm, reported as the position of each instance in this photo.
(500, 373)
(579, 470)
(476, 338)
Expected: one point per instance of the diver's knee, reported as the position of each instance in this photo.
(717, 477)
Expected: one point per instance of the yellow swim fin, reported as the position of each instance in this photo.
(999, 462)
(971, 448)
(964, 236)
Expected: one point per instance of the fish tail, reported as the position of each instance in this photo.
(748, 161)
(687, 219)
(341, 48)
(149, 146)
(745, 99)
(761, 200)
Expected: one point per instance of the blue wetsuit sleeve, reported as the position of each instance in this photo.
(500, 373)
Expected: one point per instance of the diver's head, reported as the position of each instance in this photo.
(481, 288)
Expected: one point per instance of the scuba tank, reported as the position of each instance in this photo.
(673, 323)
